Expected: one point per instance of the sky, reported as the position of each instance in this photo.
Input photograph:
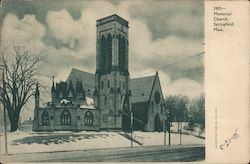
(167, 36)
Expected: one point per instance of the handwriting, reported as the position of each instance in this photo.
(229, 140)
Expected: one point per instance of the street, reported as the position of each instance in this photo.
(173, 153)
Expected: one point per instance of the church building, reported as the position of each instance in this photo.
(108, 99)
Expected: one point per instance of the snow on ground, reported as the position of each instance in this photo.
(156, 138)
(196, 131)
(27, 142)
(24, 142)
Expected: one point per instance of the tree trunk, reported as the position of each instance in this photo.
(14, 121)
(13, 125)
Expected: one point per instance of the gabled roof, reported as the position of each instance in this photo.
(88, 80)
(141, 88)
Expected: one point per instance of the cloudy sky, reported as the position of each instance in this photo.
(167, 36)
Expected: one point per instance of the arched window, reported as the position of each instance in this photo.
(88, 118)
(122, 51)
(45, 118)
(65, 118)
(102, 84)
(157, 97)
(105, 100)
(108, 84)
(103, 51)
(152, 105)
(109, 51)
(162, 108)
(119, 51)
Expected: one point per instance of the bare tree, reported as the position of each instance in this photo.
(21, 67)
(177, 104)
(197, 111)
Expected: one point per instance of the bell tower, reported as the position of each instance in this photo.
(112, 75)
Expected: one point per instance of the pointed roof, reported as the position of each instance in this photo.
(87, 79)
(71, 90)
(141, 88)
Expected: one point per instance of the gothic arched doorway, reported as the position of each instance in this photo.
(89, 118)
(157, 123)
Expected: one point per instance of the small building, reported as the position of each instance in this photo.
(27, 125)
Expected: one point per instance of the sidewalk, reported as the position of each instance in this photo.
(53, 155)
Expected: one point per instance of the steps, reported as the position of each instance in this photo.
(129, 138)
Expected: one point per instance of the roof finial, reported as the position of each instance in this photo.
(53, 84)
(37, 84)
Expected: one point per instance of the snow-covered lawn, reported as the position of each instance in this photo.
(24, 142)
(27, 142)
(196, 131)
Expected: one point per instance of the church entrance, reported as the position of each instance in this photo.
(157, 123)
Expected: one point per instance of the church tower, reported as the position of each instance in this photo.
(112, 75)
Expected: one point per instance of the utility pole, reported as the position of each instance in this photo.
(169, 137)
(181, 125)
(5, 121)
(169, 120)
(3, 68)
(165, 130)
(131, 117)
(115, 102)
(131, 126)
(5, 131)
(169, 128)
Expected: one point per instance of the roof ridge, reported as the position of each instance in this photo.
(76, 69)
(142, 77)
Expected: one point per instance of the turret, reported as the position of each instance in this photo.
(81, 91)
(37, 96)
(71, 93)
(53, 92)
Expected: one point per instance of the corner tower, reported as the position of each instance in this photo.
(112, 75)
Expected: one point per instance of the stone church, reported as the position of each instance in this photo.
(108, 99)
